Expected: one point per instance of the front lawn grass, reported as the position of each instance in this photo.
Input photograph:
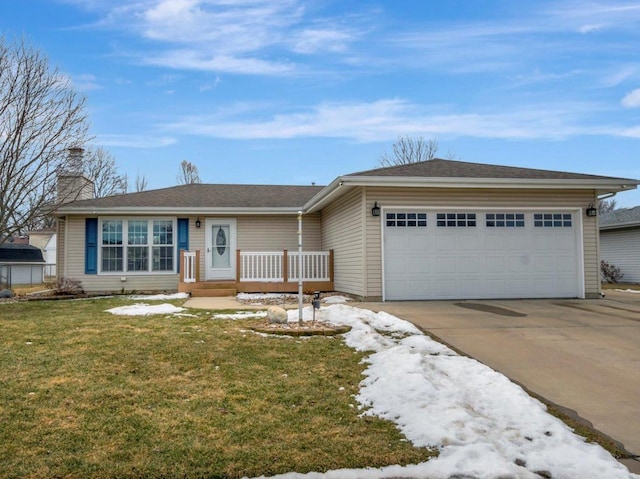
(84, 393)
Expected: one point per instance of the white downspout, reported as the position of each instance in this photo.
(300, 269)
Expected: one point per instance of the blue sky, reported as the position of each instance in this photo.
(294, 92)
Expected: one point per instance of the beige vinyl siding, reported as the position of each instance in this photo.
(474, 199)
(108, 282)
(262, 233)
(622, 249)
(343, 231)
(276, 233)
(60, 242)
(591, 248)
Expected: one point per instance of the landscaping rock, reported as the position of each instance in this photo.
(277, 315)
(6, 293)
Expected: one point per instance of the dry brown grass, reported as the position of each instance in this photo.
(88, 394)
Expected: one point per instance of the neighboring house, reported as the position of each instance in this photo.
(439, 229)
(45, 239)
(20, 264)
(620, 242)
(40, 238)
(50, 255)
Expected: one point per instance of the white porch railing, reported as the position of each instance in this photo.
(189, 266)
(271, 266)
(262, 266)
(315, 266)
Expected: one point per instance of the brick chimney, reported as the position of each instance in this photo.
(72, 184)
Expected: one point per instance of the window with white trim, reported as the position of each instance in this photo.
(456, 220)
(553, 220)
(406, 220)
(504, 220)
(163, 245)
(149, 246)
(111, 245)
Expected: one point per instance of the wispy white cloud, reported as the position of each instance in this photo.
(632, 99)
(590, 28)
(135, 141)
(587, 16)
(620, 74)
(385, 119)
(542, 32)
(164, 80)
(85, 82)
(189, 59)
(632, 132)
(211, 85)
(242, 36)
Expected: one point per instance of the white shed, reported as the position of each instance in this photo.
(21, 264)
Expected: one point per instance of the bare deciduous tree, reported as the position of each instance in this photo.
(408, 149)
(100, 166)
(188, 173)
(140, 184)
(607, 206)
(40, 117)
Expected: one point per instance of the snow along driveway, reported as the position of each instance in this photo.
(484, 425)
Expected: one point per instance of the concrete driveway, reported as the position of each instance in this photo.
(580, 354)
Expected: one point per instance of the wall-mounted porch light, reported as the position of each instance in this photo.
(375, 211)
(198, 223)
(591, 210)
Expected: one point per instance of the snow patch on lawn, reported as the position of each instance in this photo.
(628, 290)
(484, 425)
(159, 297)
(336, 299)
(142, 309)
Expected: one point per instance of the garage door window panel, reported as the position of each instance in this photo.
(456, 220)
(505, 220)
(406, 220)
(553, 220)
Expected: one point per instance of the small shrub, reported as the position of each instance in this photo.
(69, 286)
(610, 273)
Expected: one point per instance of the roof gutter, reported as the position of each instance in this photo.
(325, 195)
(160, 210)
(615, 184)
(619, 226)
(341, 184)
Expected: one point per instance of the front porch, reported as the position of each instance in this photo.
(260, 272)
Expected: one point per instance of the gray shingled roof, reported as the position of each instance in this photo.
(437, 168)
(265, 197)
(624, 216)
(209, 196)
(20, 253)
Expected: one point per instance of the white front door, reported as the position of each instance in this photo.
(220, 238)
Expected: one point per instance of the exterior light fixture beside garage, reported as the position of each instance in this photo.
(375, 211)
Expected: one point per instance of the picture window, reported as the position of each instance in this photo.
(142, 252)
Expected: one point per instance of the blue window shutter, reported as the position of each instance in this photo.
(183, 236)
(91, 246)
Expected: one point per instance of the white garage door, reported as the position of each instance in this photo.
(479, 254)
